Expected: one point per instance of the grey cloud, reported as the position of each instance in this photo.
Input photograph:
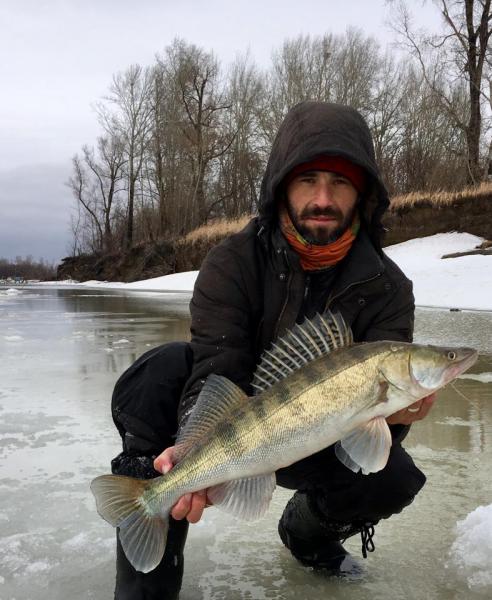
(35, 208)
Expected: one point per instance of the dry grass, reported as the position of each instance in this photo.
(441, 199)
(216, 230)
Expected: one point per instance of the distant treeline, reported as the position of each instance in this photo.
(27, 268)
(185, 141)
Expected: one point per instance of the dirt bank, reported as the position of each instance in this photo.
(412, 216)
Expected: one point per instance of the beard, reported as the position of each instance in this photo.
(318, 235)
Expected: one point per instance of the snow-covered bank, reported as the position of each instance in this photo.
(464, 282)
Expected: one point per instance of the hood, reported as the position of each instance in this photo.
(311, 129)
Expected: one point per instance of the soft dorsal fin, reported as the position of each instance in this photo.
(303, 343)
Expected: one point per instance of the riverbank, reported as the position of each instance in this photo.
(463, 282)
(415, 215)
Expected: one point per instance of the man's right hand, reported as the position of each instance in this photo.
(190, 506)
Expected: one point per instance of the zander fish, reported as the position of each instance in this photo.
(314, 387)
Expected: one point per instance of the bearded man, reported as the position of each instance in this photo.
(315, 245)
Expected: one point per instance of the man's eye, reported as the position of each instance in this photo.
(341, 181)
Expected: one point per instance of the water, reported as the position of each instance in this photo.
(61, 351)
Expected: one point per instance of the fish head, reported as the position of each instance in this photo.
(432, 367)
(413, 371)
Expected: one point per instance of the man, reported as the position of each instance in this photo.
(315, 245)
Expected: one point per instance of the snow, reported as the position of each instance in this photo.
(464, 282)
(177, 282)
(471, 553)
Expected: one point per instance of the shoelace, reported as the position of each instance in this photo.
(366, 535)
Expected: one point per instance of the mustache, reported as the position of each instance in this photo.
(316, 211)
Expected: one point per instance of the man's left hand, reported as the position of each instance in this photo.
(415, 412)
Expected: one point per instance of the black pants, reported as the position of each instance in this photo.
(144, 407)
(345, 496)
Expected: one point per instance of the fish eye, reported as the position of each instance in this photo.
(451, 355)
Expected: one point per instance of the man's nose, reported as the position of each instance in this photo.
(324, 194)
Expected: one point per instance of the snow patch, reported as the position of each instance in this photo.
(37, 567)
(471, 552)
(13, 338)
(77, 542)
(464, 282)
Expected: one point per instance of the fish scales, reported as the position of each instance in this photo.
(252, 441)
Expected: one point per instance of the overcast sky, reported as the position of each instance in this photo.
(57, 58)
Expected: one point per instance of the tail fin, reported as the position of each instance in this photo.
(142, 534)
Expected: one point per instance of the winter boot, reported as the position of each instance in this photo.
(316, 541)
(163, 582)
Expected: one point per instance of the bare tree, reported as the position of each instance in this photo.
(460, 52)
(130, 123)
(106, 168)
(240, 168)
(302, 69)
(85, 191)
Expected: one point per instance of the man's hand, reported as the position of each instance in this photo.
(415, 412)
(190, 506)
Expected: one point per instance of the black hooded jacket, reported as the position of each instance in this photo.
(251, 287)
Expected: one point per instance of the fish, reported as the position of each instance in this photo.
(314, 387)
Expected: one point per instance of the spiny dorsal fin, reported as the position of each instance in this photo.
(303, 343)
(218, 397)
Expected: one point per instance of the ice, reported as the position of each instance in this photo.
(471, 552)
(13, 338)
(13, 292)
(56, 434)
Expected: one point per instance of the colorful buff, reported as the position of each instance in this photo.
(312, 256)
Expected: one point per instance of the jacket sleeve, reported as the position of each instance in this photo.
(222, 327)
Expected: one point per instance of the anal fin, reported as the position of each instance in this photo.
(247, 498)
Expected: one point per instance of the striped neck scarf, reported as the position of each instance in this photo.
(312, 256)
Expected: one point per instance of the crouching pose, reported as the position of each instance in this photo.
(315, 245)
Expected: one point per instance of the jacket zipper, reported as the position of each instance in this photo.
(306, 287)
(289, 281)
(354, 283)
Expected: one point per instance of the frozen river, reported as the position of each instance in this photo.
(61, 351)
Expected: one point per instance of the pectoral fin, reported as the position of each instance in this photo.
(244, 498)
(366, 447)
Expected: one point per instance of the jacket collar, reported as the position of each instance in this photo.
(362, 263)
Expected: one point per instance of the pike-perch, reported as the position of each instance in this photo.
(314, 387)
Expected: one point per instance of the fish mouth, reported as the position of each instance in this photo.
(464, 364)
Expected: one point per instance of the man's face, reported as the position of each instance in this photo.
(321, 205)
